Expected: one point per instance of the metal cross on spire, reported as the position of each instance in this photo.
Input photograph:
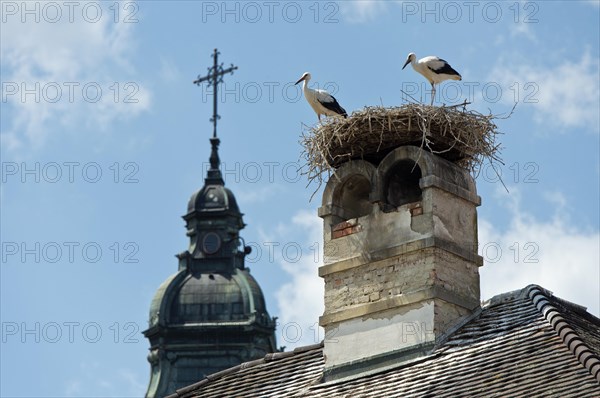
(214, 77)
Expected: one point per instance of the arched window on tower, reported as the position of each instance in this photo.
(353, 197)
(402, 184)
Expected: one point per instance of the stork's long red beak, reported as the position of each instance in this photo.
(302, 78)
(406, 63)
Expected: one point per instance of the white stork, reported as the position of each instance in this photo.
(435, 69)
(321, 101)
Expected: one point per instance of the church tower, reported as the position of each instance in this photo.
(211, 314)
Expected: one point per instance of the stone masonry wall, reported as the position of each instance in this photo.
(405, 273)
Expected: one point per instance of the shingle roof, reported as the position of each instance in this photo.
(522, 343)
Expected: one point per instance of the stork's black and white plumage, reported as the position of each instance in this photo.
(435, 69)
(321, 101)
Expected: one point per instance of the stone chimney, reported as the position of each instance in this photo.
(401, 267)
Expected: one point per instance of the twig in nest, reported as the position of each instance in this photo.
(457, 105)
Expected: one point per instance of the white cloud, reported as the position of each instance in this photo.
(300, 300)
(565, 95)
(169, 71)
(525, 22)
(258, 193)
(362, 11)
(522, 29)
(552, 253)
(64, 65)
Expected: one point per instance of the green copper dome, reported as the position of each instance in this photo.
(186, 298)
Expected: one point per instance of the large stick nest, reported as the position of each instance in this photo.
(467, 138)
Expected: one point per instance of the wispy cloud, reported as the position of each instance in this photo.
(522, 26)
(595, 3)
(257, 193)
(64, 74)
(523, 29)
(169, 71)
(300, 300)
(566, 94)
(362, 11)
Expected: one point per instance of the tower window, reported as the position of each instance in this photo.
(353, 197)
(211, 243)
(402, 183)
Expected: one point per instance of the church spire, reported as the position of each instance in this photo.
(214, 77)
(210, 315)
(213, 175)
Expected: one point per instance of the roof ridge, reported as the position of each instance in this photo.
(540, 297)
(270, 357)
(508, 296)
(310, 347)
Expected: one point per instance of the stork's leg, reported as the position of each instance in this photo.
(319, 115)
(432, 92)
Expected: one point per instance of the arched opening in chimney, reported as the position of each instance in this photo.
(353, 197)
(402, 183)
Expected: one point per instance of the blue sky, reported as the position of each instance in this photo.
(104, 139)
